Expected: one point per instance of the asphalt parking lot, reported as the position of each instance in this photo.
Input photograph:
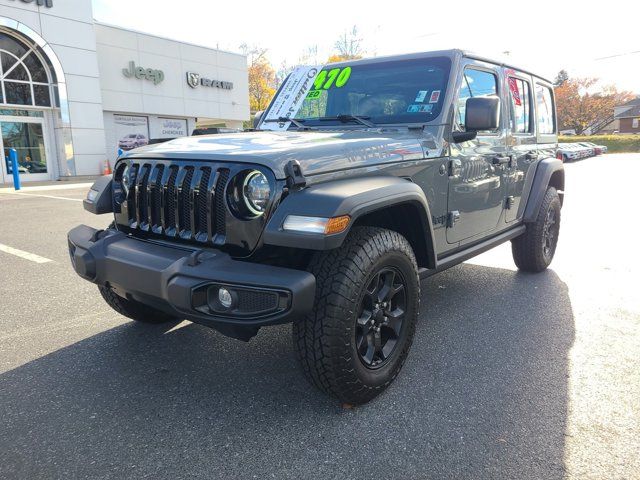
(511, 375)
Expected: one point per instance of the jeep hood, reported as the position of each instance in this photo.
(317, 151)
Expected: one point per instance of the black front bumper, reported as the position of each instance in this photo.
(176, 279)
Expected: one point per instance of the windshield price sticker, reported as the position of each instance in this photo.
(335, 77)
(290, 99)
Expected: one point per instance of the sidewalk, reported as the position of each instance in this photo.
(84, 182)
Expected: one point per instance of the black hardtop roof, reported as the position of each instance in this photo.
(452, 53)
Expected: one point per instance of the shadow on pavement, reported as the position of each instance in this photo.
(483, 394)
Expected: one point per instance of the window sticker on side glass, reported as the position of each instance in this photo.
(426, 108)
(435, 96)
(413, 109)
(422, 94)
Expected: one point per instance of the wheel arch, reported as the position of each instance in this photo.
(395, 217)
(549, 173)
(388, 202)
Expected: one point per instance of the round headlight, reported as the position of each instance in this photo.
(256, 191)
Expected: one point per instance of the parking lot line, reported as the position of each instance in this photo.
(43, 196)
(64, 186)
(22, 254)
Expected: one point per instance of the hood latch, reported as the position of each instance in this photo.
(295, 178)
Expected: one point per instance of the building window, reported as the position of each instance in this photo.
(24, 79)
(634, 122)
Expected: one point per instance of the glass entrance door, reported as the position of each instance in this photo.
(27, 137)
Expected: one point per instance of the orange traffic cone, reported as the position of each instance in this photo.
(107, 168)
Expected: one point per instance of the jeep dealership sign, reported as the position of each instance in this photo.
(151, 74)
(194, 79)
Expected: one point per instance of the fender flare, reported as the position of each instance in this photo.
(545, 170)
(102, 200)
(353, 197)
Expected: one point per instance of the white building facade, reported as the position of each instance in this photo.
(73, 92)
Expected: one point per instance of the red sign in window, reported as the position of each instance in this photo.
(515, 92)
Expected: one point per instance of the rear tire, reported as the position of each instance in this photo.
(354, 343)
(132, 309)
(534, 250)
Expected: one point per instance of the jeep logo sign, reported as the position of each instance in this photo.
(155, 76)
(40, 3)
(194, 79)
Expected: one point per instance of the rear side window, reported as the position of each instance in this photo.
(544, 102)
(475, 83)
(520, 92)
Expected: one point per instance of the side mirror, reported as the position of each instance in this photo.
(257, 117)
(482, 113)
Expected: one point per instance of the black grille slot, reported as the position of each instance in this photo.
(201, 204)
(221, 220)
(132, 176)
(155, 198)
(184, 200)
(169, 206)
(141, 197)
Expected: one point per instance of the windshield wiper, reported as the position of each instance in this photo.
(295, 121)
(344, 118)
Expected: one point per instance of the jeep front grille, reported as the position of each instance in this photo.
(178, 200)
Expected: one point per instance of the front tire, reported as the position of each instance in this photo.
(356, 340)
(534, 250)
(132, 309)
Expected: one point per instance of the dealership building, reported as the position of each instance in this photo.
(73, 91)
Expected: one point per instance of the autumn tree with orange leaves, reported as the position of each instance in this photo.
(580, 102)
(262, 77)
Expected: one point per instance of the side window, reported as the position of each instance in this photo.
(544, 102)
(475, 83)
(520, 93)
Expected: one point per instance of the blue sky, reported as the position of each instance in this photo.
(544, 35)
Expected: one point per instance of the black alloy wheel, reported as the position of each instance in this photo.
(549, 234)
(381, 316)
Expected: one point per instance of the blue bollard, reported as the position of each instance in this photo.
(13, 157)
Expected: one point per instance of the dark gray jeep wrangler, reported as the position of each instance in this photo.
(386, 171)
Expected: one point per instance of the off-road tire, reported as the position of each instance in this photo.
(132, 309)
(528, 249)
(325, 339)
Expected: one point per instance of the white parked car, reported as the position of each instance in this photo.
(573, 151)
(599, 149)
(133, 140)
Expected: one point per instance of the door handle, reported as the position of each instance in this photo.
(501, 160)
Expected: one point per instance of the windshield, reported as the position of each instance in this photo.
(400, 91)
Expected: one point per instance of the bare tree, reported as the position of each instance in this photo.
(349, 45)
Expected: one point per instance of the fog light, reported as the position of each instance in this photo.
(224, 297)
